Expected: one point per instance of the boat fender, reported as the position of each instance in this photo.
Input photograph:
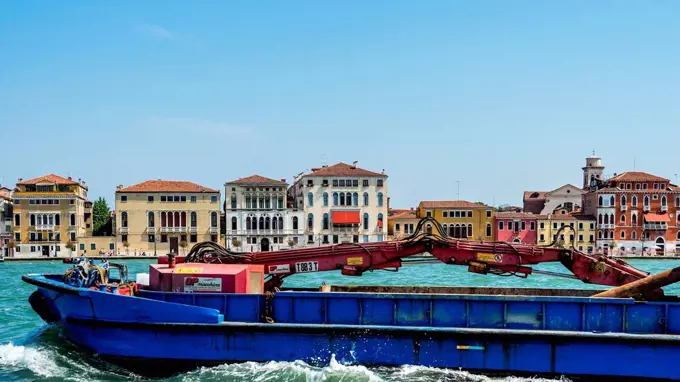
(43, 306)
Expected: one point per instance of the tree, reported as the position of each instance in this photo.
(70, 246)
(183, 244)
(235, 243)
(127, 247)
(11, 245)
(291, 243)
(101, 218)
(612, 247)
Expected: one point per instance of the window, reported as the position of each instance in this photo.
(31, 220)
(335, 182)
(193, 218)
(554, 225)
(233, 202)
(532, 226)
(355, 199)
(310, 221)
(193, 238)
(151, 221)
(151, 238)
(336, 199)
(93, 247)
(656, 186)
(233, 223)
(213, 219)
(592, 226)
(295, 222)
(469, 214)
(633, 201)
(213, 199)
(445, 214)
(73, 236)
(365, 198)
(365, 182)
(611, 201)
(380, 182)
(664, 201)
(541, 237)
(355, 182)
(380, 221)
(457, 214)
(163, 198)
(429, 214)
(524, 226)
(397, 227)
(82, 247)
(17, 220)
(193, 199)
(342, 198)
(380, 199)
(149, 198)
(580, 237)
(623, 200)
(123, 198)
(17, 237)
(488, 230)
(123, 219)
(600, 201)
(509, 226)
(164, 238)
(365, 221)
(73, 220)
(542, 225)
(646, 201)
(325, 221)
(644, 186)
(623, 235)
(325, 199)
(592, 238)
(488, 213)
(500, 226)
(637, 186)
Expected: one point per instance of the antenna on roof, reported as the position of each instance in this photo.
(633, 163)
(325, 159)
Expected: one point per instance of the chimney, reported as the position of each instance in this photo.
(354, 164)
(21, 180)
(383, 171)
(283, 180)
(411, 208)
(69, 178)
(120, 186)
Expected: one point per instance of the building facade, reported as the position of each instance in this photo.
(258, 217)
(402, 223)
(637, 213)
(516, 227)
(460, 219)
(579, 231)
(342, 203)
(164, 216)
(6, 213)
(545, 202)
(49, 212)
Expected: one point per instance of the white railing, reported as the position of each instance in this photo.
(624, 208)
(645, 208)
(214, 230)
(41, 227)
(151, 229)
(655, 226)
(173, 229)
(193, 229)
(605, 226)
(124, 230)
(265, 232)
(664, 208)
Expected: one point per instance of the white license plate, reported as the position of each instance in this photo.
(307, 266)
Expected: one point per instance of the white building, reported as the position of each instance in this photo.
(258, 216)
(5, 220)
(342, 203)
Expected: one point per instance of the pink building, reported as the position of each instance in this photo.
(516, 227)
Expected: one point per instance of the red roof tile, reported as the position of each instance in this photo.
(451, 204)
(636, 176)
(534, 195)
(50, 178)
(166, 186)
(257, 179)
(516, 215)
(342, 169)
(5, 193)
(404, 215)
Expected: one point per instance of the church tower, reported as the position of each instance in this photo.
(593, 171)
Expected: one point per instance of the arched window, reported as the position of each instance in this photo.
(611, 219)
(677, 201)
(170, 219)
(275, 223)
(355, 199)
(633, 220)
(452, 231)
(633, 201)
(267, 223)
(611, 201)
(623, 219)
(295, 222)
(164, 219)
(184, 219)
(193, 219)
(633, 235)
(233, 202)
(380, 199)
(248, 222)
(606, 219)
(463, 231)
(428, 229)
(310, 221)
(623, 200)
(623, 235)
(380, 221)
(123, 219)
(325, 199)
(488, 230)
(664, 201)
(177, 221)
(280, 222)
(348, 199)
(310, 199)
(335, 198)
(599, 218)
(365, 198)
(342, 198)
(31, 219)
(151, 221)
(73, 219)
(213, 219)
(248, 205)
(469, 230)
(325, 221)
(678, 237)
(646, 201)
(234, 223)
(365, 221)
(600, 201)
(261, 225)
(45, 220)
(17, 220)
(445, 228)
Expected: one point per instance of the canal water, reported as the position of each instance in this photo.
(32, 351)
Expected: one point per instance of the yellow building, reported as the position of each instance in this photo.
(401, 223)
(579, 230)
(460, 218)
(159, 216)
(49, 212)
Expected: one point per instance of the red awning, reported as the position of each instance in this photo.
(657, 218)
(380, 223)
(346, 217)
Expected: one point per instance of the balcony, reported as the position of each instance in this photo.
(44, 227)
(193, 230)
(267, 232)
(214, 230)
(605, 226)
(655, 226)
(173, 229)
(645, 208)
(664, 208)
(624, 208)
(151, 230)
(124, 230)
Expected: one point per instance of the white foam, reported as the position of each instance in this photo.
(21, 357)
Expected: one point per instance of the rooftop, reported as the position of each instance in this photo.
(257, 179)
(636, 176)
(342, 169)
(408, 214)
(516, 215)
(452, 204)
(50, 178)
(535, 195)
(166, 186)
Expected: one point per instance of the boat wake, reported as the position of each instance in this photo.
(335, 371)
(17, 358)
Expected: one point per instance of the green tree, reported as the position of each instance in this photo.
(102, 224)
(235, 243)
(183, 244)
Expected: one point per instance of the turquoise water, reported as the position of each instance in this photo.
(32, 351)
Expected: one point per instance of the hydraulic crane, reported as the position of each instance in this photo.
(498, 258)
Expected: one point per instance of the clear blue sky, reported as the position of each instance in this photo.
(501, 95)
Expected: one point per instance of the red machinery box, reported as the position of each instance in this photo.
(207, 278)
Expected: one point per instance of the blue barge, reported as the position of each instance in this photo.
(162, 332)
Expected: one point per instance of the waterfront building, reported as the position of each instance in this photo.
(545, 202)
(579, 230)
(5, 221)
(258, 216)
(160, 216)
(460, 218)
(49, 212)
(516, 227)
(401, 223)
(342, 203)
(637, 212)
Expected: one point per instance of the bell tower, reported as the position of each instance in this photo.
(593, 171)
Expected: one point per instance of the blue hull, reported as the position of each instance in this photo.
(535, 335)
